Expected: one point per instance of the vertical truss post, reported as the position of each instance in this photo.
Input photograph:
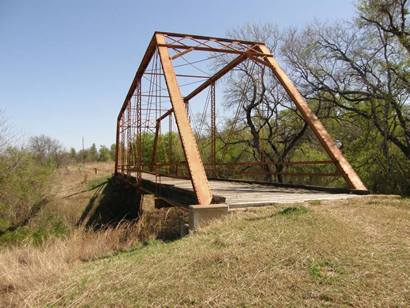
(314, 123)
(139, 133)
(213, 130)
(170, 158)
(122, 144)
(193, 158)
(117, 142)
(129, 136)
(133, 132)
(187, 109)
(155, 146)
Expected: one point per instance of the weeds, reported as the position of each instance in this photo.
(23, 184)
(26, 268)
(324, 270)
(293, 211)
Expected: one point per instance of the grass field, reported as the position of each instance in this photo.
(343, 253)
(346, 253)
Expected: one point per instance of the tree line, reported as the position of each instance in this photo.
(47, 150)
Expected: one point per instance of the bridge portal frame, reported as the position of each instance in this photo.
(257, 51)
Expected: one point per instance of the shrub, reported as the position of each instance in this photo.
(23, 185)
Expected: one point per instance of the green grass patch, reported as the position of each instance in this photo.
(293, 211)
(4, 224)
(325, 270)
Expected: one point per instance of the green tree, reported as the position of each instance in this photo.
(73, 154)
(112, 151)
(104, 153)
(92, 153)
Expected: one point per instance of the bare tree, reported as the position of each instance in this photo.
(388, 16)
(8, 163)
(4, 132)
(263, 107)
(46, 149)
(360, 71)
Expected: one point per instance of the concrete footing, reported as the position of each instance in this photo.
(200, 215)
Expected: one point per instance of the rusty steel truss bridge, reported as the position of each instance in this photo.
(168, 128)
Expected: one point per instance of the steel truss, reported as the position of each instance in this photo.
(140, 107)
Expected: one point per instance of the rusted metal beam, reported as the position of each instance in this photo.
(296, 174)
(200, 48)
(211, 49)
(213, 129)
(167, 113)
(218, 75)
(222, 72)
(191, 151)
(178, 75)
(170, 140)
(210, 38)
(139, 133)
(154, 148)
(314, 123)
(254, 163)
(117, 142)
(181, 53)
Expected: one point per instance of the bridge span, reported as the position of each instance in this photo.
(240, 193)
(232, 195)
(263, 145)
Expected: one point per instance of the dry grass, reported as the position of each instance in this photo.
(26, 269)
(346, 253)
(343, 253)
(71, 190)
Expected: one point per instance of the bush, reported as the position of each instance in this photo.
(23, 185)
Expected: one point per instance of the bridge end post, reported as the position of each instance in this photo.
(195, 166)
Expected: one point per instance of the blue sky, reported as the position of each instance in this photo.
(66, 66)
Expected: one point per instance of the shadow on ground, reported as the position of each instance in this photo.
(113, 201)
(117, 200)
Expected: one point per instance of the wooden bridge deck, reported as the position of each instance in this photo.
(240, 194)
